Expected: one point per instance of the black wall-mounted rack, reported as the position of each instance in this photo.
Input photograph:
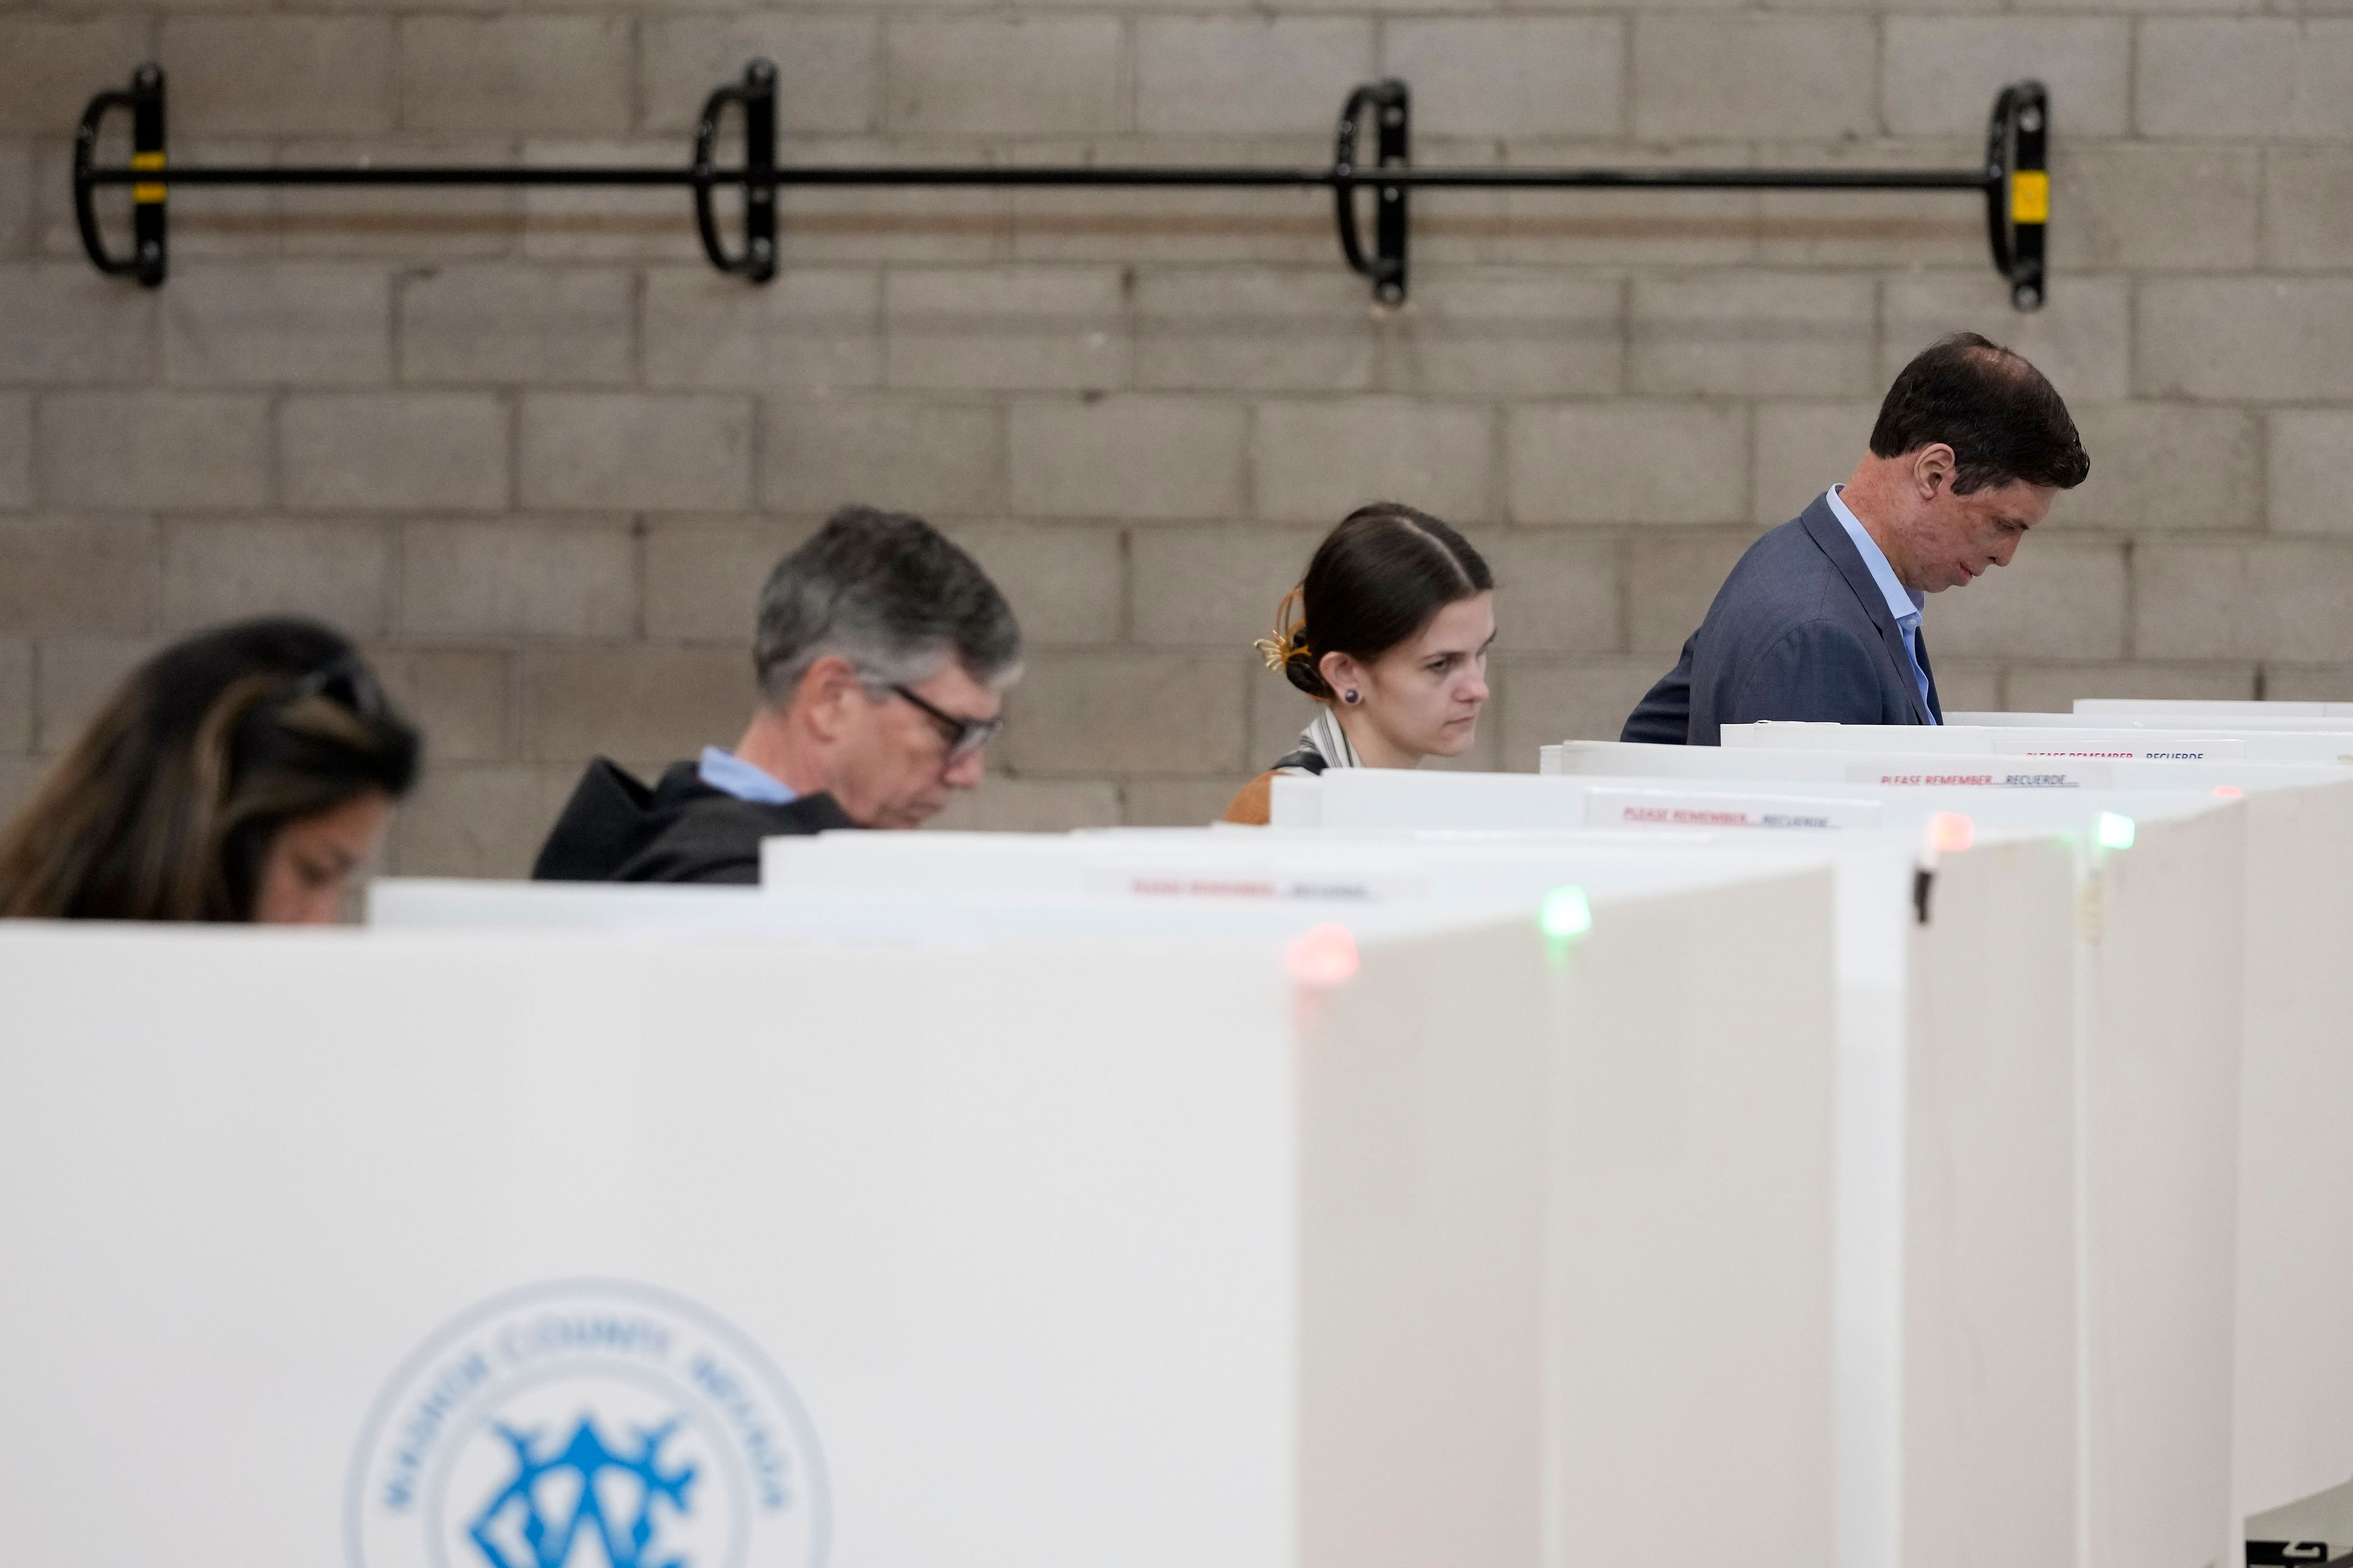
(2014, 180)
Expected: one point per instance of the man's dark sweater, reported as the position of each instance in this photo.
(615, 829)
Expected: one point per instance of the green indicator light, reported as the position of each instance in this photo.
(1565, 914)
(2113, 831)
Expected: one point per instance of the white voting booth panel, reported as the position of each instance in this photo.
(1994, 1443)
(2165, 745)
(1955, 1206)
(2156, 1065)
(2100, 708)
(2210, 723)
(1472, 1257)
(1897, 776)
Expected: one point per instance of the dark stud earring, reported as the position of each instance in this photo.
(1348, 697)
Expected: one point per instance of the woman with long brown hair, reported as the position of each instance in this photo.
(241, 775)
(1388, 633)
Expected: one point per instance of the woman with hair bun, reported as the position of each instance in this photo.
(1389, 635)
(241, 775)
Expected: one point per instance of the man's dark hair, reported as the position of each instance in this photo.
(2002, 419)
(890, 594)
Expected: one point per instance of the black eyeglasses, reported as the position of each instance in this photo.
(344, 681)
(965, 736)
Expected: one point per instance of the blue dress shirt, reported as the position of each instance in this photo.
(730, 775)
(1902, 602)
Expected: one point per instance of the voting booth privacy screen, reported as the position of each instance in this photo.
(1841, 1146)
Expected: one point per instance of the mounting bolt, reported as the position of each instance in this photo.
(1389, 293)
(2030, 119)
(1393, 116)
(2026, 297)
(762, 71)
(144, 76)
(150, 251)
(1389, 193)
(762, 249)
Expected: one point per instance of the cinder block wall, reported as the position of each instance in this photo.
(538, 456)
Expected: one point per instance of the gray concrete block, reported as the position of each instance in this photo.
(1034, 329)
(1939, 74)
(1508, 334)
(2154, 207)
(1802, 449)
(1628, 462)
(16, 199)
(496, 323)
(569, 578)
(1671, 581)
(1213, 587)
(15, 450)
(1511, 76)
(1317, 461)
(16, 708)
(1065, 583)
(1237, 76)
(478, 819)
(420, 451)
(1762, 334)
(54, 65)
(62, 324)
(561, 74)
(73, 677)
(2214, 76)
(339, 573)
(2166, 466)
(77, 574)
(618, 451)
(1030, 806)
(2308, 217)
(2311, 452)
(1548, 701)
(932, 458)
(1555, 592)
(1112, 711)
(152, 450)
(1011, 76)
(281, 75)
(633, 701)
(829, 67)
(812, 329)
(606, 223)
(2053, 687)
(462, 698)
(2260, 339)
(2059, 598)
(277, 324)
(1257, 329)
(1739, 76)
(1143, 457)
(2081, 340)
(702, 576)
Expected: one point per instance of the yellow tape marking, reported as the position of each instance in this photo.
(2030, 197)
(147, 194)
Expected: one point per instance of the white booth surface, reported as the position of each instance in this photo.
(2155, 1016)
(2103, 707)
(1035, 1244)
(1797, 770)
(2208, 724)
(2059, 744)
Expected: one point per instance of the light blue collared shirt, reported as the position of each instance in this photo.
(726, 771)
(1902, 602)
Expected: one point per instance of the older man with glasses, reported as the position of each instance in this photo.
(883, 653)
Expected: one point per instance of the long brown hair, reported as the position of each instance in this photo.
(165, 807)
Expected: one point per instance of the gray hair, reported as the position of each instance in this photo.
(890, 594)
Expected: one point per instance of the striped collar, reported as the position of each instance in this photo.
(1324, 737)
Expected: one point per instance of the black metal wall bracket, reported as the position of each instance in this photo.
(2014, 180)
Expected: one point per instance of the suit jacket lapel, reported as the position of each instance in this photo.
(1824, 528)
(1920, 640)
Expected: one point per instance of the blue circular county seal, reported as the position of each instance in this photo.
(587, 1423)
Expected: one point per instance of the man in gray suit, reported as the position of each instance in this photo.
(1821, 620)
